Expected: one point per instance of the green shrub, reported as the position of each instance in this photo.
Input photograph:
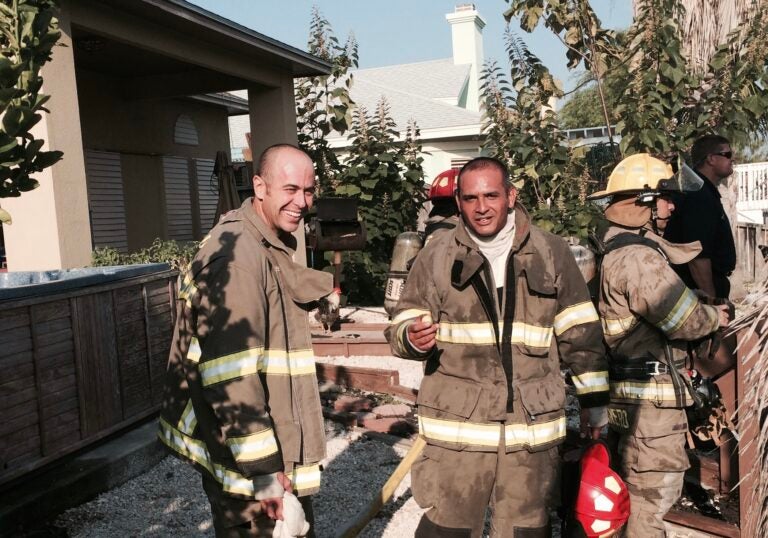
(177, 254)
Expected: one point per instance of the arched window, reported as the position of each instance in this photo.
(185, 132)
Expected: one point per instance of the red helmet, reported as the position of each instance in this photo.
(444, 185)
(602, 503)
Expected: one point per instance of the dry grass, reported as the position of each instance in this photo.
(752, 326)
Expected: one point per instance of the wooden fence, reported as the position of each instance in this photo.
(78, 365)
(749, 238)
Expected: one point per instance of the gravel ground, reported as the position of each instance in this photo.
(168, 500)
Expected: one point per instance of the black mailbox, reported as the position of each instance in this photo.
(335, 226)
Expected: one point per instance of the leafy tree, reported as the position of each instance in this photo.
(578, 28)
(323, 104)
(387, 179)
(664, 100)
(28, 32)
(522, 131)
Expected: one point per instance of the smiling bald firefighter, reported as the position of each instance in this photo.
(493, 307)
(648, 317)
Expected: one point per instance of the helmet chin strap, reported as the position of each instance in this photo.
(654, 218)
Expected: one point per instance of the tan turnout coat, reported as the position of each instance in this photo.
(643, 304)
(494, 376)
(241, 400)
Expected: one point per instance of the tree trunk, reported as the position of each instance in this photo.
(706, 24)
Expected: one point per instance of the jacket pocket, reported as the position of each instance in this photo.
(659, 439)
(425, 477)
(535, 307)
(448, 398)
(542, 396)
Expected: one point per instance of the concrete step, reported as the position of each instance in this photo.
(40, 496)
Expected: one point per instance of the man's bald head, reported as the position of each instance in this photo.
(284, 188)
(270, 156)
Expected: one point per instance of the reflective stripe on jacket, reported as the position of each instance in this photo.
(241, 400)
(494, 376)
(643, 305)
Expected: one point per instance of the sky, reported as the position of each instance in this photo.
(393, 32)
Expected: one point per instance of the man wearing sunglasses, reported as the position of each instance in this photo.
(700, 217)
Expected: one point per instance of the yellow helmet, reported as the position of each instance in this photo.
(637, 173)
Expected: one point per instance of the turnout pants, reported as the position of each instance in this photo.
(520, 487)
(235, 518)
(648, 445)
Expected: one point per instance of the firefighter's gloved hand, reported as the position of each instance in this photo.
(593, 420)
(723, 315)
(421, 333)
(294, 522)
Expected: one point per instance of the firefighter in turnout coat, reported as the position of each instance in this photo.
(648, 316)
(493, 306)
(241, 400)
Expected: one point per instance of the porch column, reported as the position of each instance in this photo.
(273, 121)
(50, 227)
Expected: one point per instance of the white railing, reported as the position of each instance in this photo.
(752, 181)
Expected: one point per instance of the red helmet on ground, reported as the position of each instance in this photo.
(602, 503)
(444, 185)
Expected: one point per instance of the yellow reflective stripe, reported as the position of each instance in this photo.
(194, 352)
(188, 421)
(233, 482)
(255, 360)
(252, 447)
(536, 434)
(482, 334)
(278, 362)
(187, 289)
(489, 435)
(575, 315)
(679, 313)
(195, 451)
(453, 431)
(616, 327)
(231, 366)
(184, 445)
(531, 335)
(466, 333)
(408, 314)
(590, 382)
(305, 477)
(639, 390)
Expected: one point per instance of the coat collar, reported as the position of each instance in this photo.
(677, 253)
(285, 241)
(302, 284)
(527, 258)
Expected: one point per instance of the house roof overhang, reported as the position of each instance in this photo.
(165, 48)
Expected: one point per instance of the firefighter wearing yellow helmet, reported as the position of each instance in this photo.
(648, 316)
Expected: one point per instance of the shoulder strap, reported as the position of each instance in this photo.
(626, 239)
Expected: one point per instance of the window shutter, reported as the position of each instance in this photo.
(106, 202)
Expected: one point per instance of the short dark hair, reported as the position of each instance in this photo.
(478, 163)
(266, 157)
(705, 146)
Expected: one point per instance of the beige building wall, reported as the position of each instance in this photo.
(50, 227)
(142, 131)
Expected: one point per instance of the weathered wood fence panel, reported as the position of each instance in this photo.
(80, 364)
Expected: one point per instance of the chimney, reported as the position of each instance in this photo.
(467, 36)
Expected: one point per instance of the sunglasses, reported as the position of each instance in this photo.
(726, 154)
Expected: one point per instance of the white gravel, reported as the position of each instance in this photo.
(168, 500)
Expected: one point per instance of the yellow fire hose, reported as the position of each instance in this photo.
(372, 508)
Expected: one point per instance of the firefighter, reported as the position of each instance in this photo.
(648, 317)
(241, 401)
(493, 306)
(444, 214)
